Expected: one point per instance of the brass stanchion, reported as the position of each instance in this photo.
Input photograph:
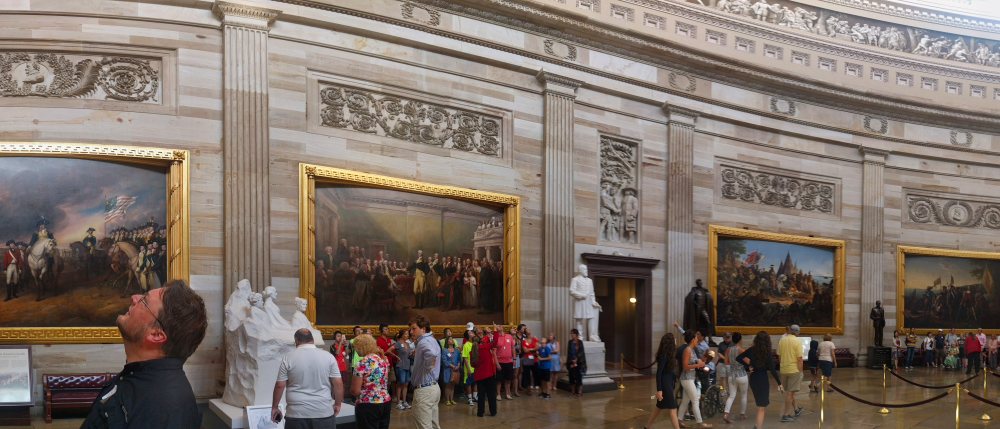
(885, 380)
(958, 398)
(822, 398)
(986, 377)
(621, 372)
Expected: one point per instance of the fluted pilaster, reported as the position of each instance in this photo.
(558, 227)
(245, 144)
(680, 208)
(872, 238)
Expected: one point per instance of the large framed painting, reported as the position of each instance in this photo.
(83, 227)
(377, 249)
(767, 281)
(942, 289)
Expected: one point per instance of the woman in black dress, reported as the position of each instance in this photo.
(666, 378)
(759, 361)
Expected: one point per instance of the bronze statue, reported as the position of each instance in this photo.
(878, 322)
(699, 311)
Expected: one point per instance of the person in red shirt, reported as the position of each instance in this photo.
(339, 351)
(486, 368)
(972, 351)
(385, 343)
(529, 361)
(505, 344)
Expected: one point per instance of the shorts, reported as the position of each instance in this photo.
(543, 374)
(826, 367)
(792, 382)
(469, 380)
(402, 376)
(507, 371)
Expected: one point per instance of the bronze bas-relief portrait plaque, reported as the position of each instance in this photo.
(83, 228)
(767, 281)
(385, 250)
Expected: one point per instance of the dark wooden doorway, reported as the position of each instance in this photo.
(625, 326)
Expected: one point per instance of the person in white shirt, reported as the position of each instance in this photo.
(928, 347)
(827, 362)
(315, 390)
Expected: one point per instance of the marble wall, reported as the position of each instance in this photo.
(474, 60)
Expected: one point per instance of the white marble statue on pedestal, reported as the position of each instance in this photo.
(257, 338)
(585, 307)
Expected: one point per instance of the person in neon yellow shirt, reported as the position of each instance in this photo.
(467, 380)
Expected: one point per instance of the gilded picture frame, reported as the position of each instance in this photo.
(174, 164)
(310, 175)
(943, 265)
(830, 289)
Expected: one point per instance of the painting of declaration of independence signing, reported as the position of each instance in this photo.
(765, 283)
(384, 255)
(950, 292)
(78, 235)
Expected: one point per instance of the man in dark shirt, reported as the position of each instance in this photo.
(160, 331)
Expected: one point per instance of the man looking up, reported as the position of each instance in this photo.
(160, 331)
(315, 390)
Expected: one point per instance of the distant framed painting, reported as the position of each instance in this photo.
(767, 281)
(378, 249)
(944, 289)
(83, 227)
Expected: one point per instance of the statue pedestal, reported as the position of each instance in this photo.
(236, 417)
(877, 356)
(596, 379)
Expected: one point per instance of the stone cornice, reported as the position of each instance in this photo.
(813, 42)
(245, 15)
(631, 45)
(681, 115)
(922, 14)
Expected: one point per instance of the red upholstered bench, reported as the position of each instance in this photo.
(845, 359)
(72, 392)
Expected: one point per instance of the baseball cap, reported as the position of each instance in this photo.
(794, 329)
(469, 326)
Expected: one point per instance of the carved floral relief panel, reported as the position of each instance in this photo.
(619, 204)
(747, 183)
(413, 117)
(96, 77)
(961, 211)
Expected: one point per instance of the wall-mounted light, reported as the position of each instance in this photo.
(632, 300)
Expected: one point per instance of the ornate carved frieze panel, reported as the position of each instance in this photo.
(754, 184)
(866, 31)
(682, 81)
(619, 191)
(876, 125)
(82, 76)
(961, 211)
(420, 14)
(961, 138)
(783, 106)
(365, 107)
(560, 50)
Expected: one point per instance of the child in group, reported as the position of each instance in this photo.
(467, 369)
(450, 361)
(544, 366)
(403, 349)
(812, 363)
(951, 361)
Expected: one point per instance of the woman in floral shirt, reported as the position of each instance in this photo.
(370, 385)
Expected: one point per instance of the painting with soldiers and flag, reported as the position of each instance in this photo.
(79, 234)
(767, 280)
(941, 289)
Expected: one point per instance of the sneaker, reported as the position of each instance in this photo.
(798, 411)
(509, 398)
(399, 406)
(499, 398)
(786, 419)
(407, 405)
(471, 402)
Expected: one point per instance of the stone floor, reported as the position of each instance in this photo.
(629, 408)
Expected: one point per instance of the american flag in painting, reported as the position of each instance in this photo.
(115, 207)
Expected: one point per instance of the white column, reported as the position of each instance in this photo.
(559, 210)
(245, 146)
(680, 208)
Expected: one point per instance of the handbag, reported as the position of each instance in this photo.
(454, 377)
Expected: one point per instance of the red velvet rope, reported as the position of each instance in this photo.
(982, 399)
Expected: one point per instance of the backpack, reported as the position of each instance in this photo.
(474, 354)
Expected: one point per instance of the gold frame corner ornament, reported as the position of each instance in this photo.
(840, 268)
(310, 174)
(176, 165)
(902, 251)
